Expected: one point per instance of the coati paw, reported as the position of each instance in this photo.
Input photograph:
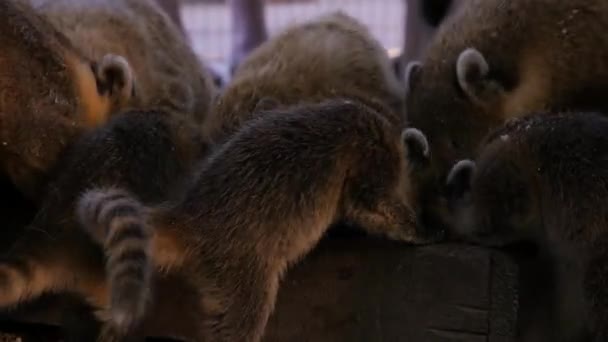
(115, 78)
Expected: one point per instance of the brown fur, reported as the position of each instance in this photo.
(542, 55)
(149, 153)
(169, 74)
(265, 198)
(544, 178)
(330, 57)
(49, 94)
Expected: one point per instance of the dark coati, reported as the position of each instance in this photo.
(170, 76)
(496, 59)
(148, 153)
(330, 57)
(544, 178)
(49, 94)
(263, 200)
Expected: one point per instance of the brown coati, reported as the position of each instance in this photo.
(149, 153)
(49, 94)
(329, 57)
(170, 76)
(544, 178)
(262, 201)
(496, 59)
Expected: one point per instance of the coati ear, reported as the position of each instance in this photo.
(266, 103)
(472, 71)
(412, 71)
(458, 183)
(417, 145)
(115, 78)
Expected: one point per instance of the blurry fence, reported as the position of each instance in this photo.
(207, 22)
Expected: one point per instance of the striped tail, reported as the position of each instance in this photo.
(118, 222)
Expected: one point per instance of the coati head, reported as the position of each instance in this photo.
(389, 195)
(456, 104)
(493, 201)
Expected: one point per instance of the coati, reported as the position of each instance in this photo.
(496, 59)
(262, 201)
(332, 56)
(544, 178)
(150, 153)
(170, 76)
(49, 94)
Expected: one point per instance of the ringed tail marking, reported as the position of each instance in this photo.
(118, 222)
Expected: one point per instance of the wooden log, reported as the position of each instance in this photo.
(363, 289)
(366, 290)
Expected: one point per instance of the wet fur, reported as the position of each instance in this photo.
(149, 153)
(544, 178)
(263, 200)
(545, 55)
(49, 95)
(333, 56)
(169, 75)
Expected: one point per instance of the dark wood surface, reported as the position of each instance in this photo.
(365, 290)
(359, 289)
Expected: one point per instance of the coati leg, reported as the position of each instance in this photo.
(113, 218)
(236, 307)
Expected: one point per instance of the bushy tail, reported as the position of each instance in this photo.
(118, 222)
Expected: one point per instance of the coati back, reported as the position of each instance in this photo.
(495, 59)
(49, 94)
(330, 57)
(544, 178)
(169, 74)
(265, 198)
(149, 153)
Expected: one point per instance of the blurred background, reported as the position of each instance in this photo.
(222, 32)
(208, 22)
